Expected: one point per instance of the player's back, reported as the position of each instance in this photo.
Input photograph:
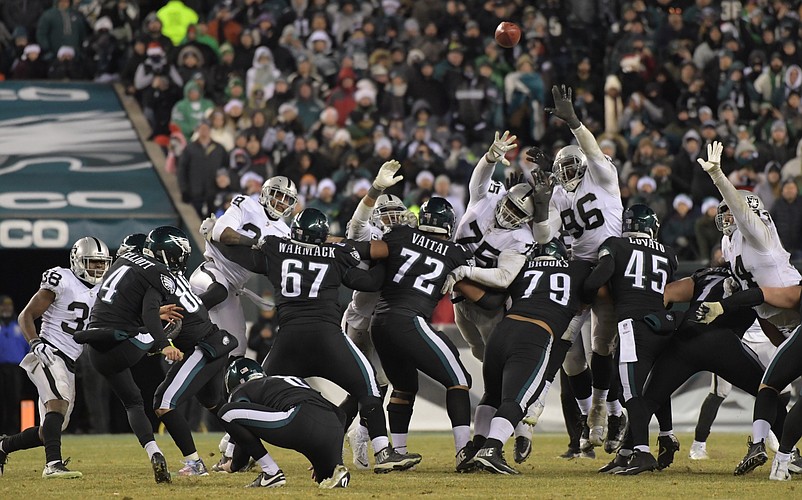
(70, 310)
(246, 216)
(549, 291)
(417, 267)
(279, 393)
(307, 279)
(643, 266)
(119, 298)
(708, 286)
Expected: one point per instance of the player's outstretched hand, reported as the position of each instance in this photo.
(386, 176)
(564, 106)
(513, 179)
(453, 277)
(538, 157)
(172, 353)
(708, 312)
(42, 352)
(713, 163)
(543, 187)
(500, 147)
(207, 226)
(170, 312)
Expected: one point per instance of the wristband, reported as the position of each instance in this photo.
(374, 192)
(34, 341)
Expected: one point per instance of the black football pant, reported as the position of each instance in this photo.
(115, 365)
(717, 351)
(783, 369)
(515, 365)
(325, 351)
(310, 429)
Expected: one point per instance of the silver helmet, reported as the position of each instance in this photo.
(725, 221)
(569, 166)
(278, 196)
(516, 207)
(85, 255)
(390, 211)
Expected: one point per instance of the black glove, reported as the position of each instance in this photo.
(538, 157)
(542, 189)
(563, 106)
(513, 179)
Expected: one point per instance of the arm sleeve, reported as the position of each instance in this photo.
(365, 280)
(599, 166)
(749, 223)
(600, 276)
(231, 218)
(359, 228)
(544, 231)
(748, 298)
(492, 300)
(509, 265)
(252, 260)
(150, 318)
(480, 179)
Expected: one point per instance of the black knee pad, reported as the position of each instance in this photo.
(407, 397)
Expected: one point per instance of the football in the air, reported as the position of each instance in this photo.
(508, 34)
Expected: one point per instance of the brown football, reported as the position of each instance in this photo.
(508, 34)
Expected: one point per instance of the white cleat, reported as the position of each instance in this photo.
(60, 471)
(698, 451)
(779, 470)
(358, 441)
(597, 421)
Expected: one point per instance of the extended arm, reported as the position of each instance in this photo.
(358, 228)
(678, 291)
(483, 171)
(34, 310)
(485, 299)
(545, 230)
(509, 265)
(365, 280)
(150, 318)
(371, 250)
(600, 276)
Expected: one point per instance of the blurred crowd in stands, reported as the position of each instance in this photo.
(324, 92)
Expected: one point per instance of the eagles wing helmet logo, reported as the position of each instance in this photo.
(168, 283)
(183, 243)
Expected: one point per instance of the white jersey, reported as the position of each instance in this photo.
(70, 311)
(246, 216)
(478, 232)
(768, 267)
(362, 304)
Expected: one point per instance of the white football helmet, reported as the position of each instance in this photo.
(569, 166)
(725, 222)
(516, 207)
(278, 196)
(390, 211)
(85, 255)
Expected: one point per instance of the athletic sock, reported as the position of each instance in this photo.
(268, 464)
(151, 448)
(792, 430)
(229, 450)
(27, 439)
(764, 414)
(458, 407)
(462, 434)
(500, 429)
(642, 447)
(177, 426)
(399, 441)
(481, 420)
(760, 430)
(584, 405)
(51, 432)
(599, 394)
(602, 368)
(379, 443)
(707, 415)
(614, 408)
(192, 457)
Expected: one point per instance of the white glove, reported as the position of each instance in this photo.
(207, 226)
(453, 277)
(713, 163)
(731, 286)
(386, 176)
(708, 312)
(42, 352)
(258, 245)
(500, 147)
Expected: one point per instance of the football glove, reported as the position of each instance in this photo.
(564, 106)
(42, 352)
(500, 147)
(713, 163)
(708, 312)
(207, 226)
(453, 277)
(386, 176)
(538, 157)
(731, 286)
(513, 179)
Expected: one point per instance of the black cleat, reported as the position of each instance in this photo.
(639, 461)
(3, 456)
(160, 471)
(667, 446)
(584, 440)
(795, 465)
(465, 462)
(571, 453)
(618, 463)
(616, 429)
(492, 460)
(388, 460)
(265, 480)
(523, 448)
(755, 457)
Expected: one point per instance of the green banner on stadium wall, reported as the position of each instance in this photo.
(72, 165)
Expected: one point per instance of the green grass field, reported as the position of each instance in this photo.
(116, 467)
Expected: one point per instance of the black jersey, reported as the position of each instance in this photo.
(279, 393)
(416, 271)
(643, 266)
(549, 290)
(307, 279)
(119, 300)
(708, 286)
(196, 323)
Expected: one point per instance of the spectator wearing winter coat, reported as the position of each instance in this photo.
(319, 46)
(67, 66)
(787, 216)
(197, 170)
(60, 26)
(30, 65)
(176, 18)
(707, 234)
(678, 229)
(308, 105)
(189, 111)
(769, 185)
(263, 73)
(155, 63)
(157, 104)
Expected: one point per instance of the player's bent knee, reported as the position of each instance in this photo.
(162, 411)
(58, 406)
(461, 387)
(764, 386)
(402, 398)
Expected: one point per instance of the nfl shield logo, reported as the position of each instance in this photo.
(168, 283)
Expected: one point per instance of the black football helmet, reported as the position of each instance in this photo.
(310, 226)
(132, 243)
(553, 249)
(242, 370)
(437, 216)
(640, 219)
(169, 245)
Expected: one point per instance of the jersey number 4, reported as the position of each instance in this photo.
(591, 218)
(424, 281)
(658, 271)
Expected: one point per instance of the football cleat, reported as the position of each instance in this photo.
(388, 460)
(755, 457)
(265, 480)
(492, 460)
(193, 468)
(523, 448)
(59, 471)
(597, 418)
(779, 470)
(358, 441)
(160, 471)
(591, 454)
(224, 465)
(339, 479)
(534, 412)
(584, 438)
(698, 451)
(639, 461)
(795, 465)
(618, 463)
(667, 446)
(570, 454)
(616, 429)
(465, 458)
